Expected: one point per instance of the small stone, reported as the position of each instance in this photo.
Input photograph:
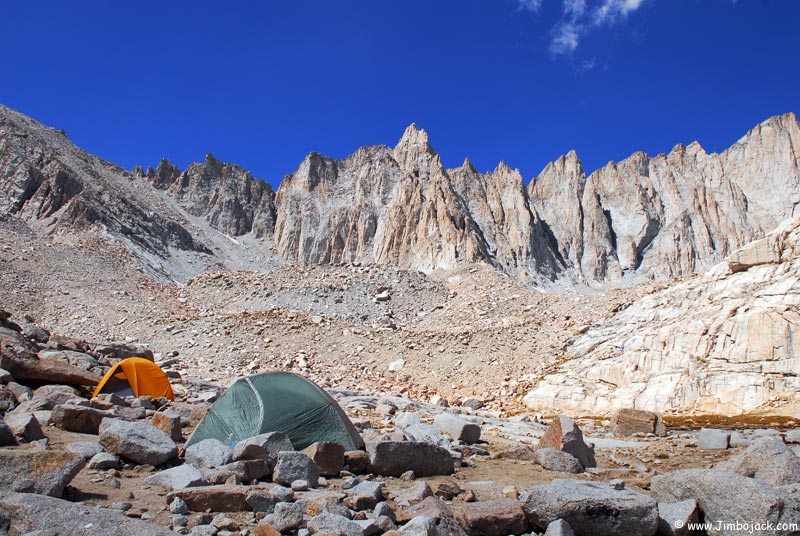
(103, 461)
(178, 506)
(299, 485)
(511, 492)
(285, 517)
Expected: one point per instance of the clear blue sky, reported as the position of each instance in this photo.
(262, 83)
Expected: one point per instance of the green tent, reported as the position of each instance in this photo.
(277, 402)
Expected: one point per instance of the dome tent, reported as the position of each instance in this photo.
(135, 376)
(277, 402)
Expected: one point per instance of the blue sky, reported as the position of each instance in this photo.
(263, 83)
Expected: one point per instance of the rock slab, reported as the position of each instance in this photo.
(591, 508)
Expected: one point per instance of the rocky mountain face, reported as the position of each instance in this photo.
(379, 205)
(675, 213)
(176, 224)
(641, 218)
(721, 343)
(230, 199)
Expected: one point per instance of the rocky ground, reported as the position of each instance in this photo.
(428, 469)
(390, 331)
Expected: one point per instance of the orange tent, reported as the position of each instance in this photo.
(135, 376)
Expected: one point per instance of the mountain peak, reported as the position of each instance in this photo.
(413, 135)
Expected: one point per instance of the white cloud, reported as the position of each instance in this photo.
(586, 65)
(530, 5)
(574, 8)
(612, 11)
(579, 17)
(566, 38)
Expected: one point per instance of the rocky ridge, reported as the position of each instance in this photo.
(721, 343)
(641, 218)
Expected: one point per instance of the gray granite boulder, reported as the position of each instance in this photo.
(730, 497)
(591, 508)
(37, 471)
(137, 441)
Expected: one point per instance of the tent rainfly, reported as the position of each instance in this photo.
(135, 376)
(277, 402)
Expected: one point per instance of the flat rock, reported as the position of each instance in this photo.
(36, 471)
(137, 441)
(81, 419)
(179, 477)
(627, 421)
(262, 446)
(556, 460)
(226, 498)
(726, 496)
(30, 513)
(493, 518)
(87, 449)
(57, 394)
(591, 508)
(208, 453)
(393, 458)
(458, 428)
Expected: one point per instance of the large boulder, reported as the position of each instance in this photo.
(57, 394)
(38, 471)
(627, 421)
(458, 428)
(81, 419)
(591, 508)
(564, 434)
(493, 518)
(293, 466)
(393, 458)
(137, 441)
(768, 459)
(729, 497)
(37, 514)
(25, 426)
(208, 453)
